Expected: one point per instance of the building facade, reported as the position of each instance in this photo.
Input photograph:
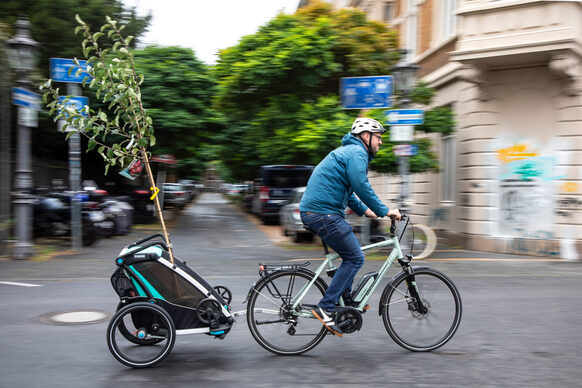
(511, 70)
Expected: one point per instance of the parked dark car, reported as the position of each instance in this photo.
(277, 181)
(175, 195)
(290, 220)
(190, 187)
(138, 195)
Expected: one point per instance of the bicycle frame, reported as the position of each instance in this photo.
(329, 258)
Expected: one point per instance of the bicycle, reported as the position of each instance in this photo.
(420, 307)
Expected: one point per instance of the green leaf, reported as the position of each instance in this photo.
(78, 19)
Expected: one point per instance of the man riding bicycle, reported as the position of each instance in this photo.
(333, 186)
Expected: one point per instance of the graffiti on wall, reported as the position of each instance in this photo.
(526, 192)
(540, 242)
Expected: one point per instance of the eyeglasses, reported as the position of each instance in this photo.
(379, 137)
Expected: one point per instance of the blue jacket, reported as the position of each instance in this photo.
(343, 172)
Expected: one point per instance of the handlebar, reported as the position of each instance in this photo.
(403, 217)
(146, 239)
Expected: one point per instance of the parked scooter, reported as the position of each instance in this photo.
(52, 218)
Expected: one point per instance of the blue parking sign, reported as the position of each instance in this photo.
(78, 103)
(366, 92)
(65, 70)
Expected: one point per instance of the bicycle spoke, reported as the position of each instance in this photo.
(292, 332)
(426, 328)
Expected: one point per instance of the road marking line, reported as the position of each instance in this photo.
(486, 259)
(21, 284)
(455, 259)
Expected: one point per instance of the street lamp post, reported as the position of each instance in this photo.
(22, 52)
(404, 74)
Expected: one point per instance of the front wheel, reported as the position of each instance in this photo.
(424, 326)
(274, 324)
(150, 325)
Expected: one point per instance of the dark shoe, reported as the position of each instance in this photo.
(328, 320)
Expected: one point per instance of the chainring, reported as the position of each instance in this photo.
(348, 320)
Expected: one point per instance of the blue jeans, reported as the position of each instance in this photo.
(338, 235)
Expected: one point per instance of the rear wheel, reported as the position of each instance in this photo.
(421, 327)
(132, 337)
(271, 319)
(147, 324)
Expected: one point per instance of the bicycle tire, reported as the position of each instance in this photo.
(412, 329)
(159, 326)
(273, 325)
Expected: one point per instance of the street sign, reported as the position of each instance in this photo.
(25, 98)
(401, 133)
(78, 103)
(405, 117)
(366, 92)
(405, 149)
(65, 70)
(27, 117)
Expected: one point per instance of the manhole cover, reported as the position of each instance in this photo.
(74, 317)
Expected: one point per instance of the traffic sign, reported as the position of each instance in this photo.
(366, 92)
(405, 149)
(76, 102)
(405, 117)
(25, 98)
(402, 133)
(65, 70)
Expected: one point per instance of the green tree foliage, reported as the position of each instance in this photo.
(177, 92)
(53, 23)
(52, 26)
(122, 133)
(279, 86)
(279, 90)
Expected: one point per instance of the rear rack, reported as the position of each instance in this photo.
(268, 268)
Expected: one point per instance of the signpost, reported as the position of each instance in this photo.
(76, 102)
(405, 149)
(366, 92)
(28, 104)
(66, 70)
(404, 116)
(402, 122)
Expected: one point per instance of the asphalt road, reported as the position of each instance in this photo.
(520, 327)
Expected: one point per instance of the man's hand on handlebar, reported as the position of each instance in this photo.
(394, 213)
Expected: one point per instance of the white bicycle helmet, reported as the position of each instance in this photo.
(363, 124)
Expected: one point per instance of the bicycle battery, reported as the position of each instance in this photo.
(363, 286)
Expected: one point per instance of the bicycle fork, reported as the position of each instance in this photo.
(416, 304)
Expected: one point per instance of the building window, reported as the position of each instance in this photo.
(448, 159)
(411, 40)
(449, 18)
(388, 12)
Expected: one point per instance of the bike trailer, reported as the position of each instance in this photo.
(159, 300)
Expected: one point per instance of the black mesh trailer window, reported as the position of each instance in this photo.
(167, 283)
